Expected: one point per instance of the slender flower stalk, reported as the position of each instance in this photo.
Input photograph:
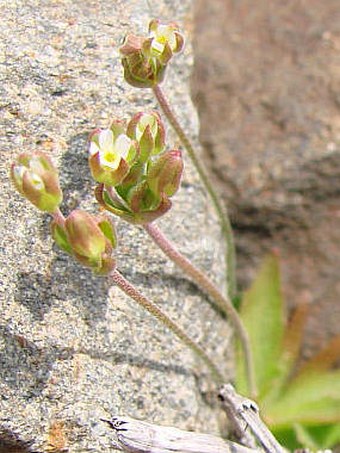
(224, 219)
(152, 308)
(210, 289)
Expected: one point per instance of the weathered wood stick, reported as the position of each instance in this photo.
(244, 413)
(142, 437)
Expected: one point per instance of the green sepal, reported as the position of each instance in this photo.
(60, 237)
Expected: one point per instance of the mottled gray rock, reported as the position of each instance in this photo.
(69, 352)
(266, 82)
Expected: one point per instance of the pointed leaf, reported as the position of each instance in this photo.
(318, 437)
(287, 437)
(312, 398)
(262, 314)
(304, 437)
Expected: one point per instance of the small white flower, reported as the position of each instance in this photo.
(19, 172)
(111, 150)
(164, 34)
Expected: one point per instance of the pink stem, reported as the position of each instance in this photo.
(152, 308)
(210, 289)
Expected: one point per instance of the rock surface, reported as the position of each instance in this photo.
(266, 83)
(71, 354)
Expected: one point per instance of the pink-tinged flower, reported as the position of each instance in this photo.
(148, 131)
(164, 174)
(90, 239)
(111, 154)
(36, 178)
(141, 70)
(144, 59)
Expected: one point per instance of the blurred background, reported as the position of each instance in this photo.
(266, 85)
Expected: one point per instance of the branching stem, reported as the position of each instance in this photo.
(203, 282)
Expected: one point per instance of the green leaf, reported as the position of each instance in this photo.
(310, 399)
(287, 437)
(318, 437)
(331, 436)
(262, 314)
(305, 437)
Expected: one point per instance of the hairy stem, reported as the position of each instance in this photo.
(203, 282)
(222, 214)
(152, 308)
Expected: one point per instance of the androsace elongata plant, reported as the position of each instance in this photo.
(145, 59)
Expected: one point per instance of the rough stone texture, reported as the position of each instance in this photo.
(69, 353)
(266, 83)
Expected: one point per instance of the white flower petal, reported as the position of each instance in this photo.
(93, 149)
(36, 165)
(18, 172)
(37, 181)
(165, 34)
(106, 140)
(157, 47)
(122, 145)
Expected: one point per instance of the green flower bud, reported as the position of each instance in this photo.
(141, 70)
(148, 131)
(141, 198)
(88, 238)
(147, 205)
(144, 59)
(164, 174)
(112, 203)
(36, 178)
(111, 154)
(59, 235)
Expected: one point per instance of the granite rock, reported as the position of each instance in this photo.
(72, 349)
(266, 84)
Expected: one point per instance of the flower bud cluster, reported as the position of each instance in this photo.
(145, 59)
(137, 177)
(90, 239)
(35, 177)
